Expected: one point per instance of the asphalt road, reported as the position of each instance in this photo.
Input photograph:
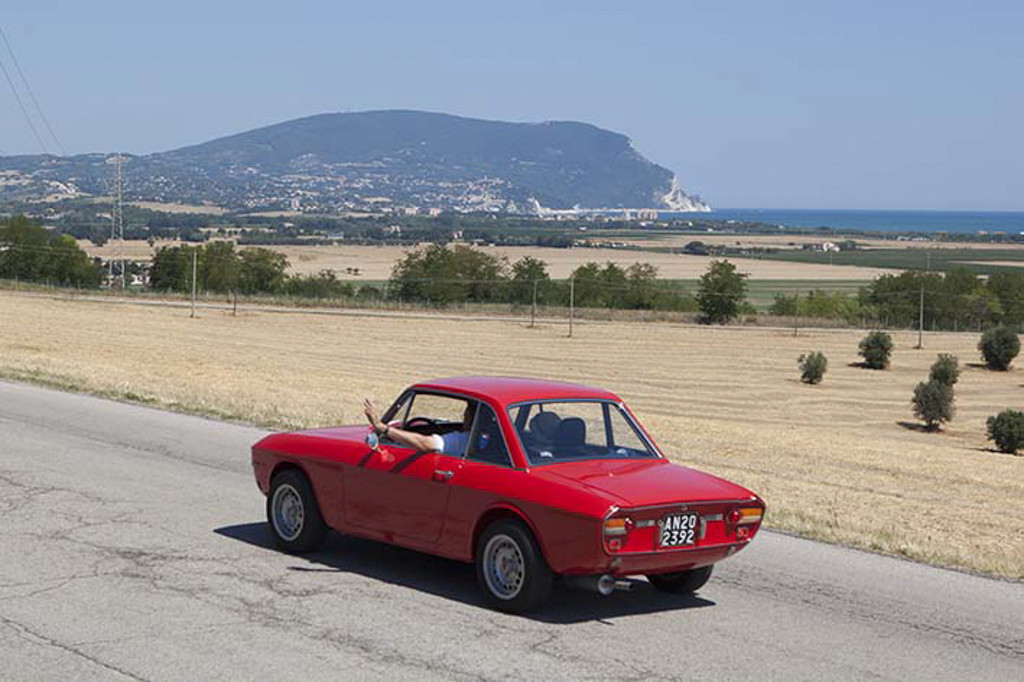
(132, 545)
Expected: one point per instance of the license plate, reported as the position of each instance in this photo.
(678, 530)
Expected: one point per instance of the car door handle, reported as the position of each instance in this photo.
(443, 476)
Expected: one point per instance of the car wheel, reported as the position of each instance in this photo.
(511, 569)
(293, 513)
(681, 581)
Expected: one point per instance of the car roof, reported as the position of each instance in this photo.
(508, 390)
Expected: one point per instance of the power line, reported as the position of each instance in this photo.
(31, 94)
(21, 105)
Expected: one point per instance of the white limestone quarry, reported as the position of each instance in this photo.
(678, 200)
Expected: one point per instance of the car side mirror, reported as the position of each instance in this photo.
(373, 440)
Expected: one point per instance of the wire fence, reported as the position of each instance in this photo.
(913, 311)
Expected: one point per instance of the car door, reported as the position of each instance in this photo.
(487, 477)
(399, 493)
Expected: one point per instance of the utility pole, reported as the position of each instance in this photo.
(533, 310)
(195, 267)
(117, 224)
(572, 303)
(119, 183)
(796, 314)
(920, 320)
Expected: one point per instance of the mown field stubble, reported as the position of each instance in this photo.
(833, 461)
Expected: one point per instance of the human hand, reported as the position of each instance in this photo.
(373, 415)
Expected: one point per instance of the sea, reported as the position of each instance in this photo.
(876, 221)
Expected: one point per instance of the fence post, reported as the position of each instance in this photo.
(533, 310)
(572, 303)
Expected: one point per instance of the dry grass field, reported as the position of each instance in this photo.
(193, 209)
(1010, 263)
(375, 262)
(841, 461)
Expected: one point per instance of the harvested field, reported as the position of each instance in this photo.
(375, 262)
(1004, 263)
(838, 462)
(131, 249)
(192, 209)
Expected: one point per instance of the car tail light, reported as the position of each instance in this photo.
(744, 515)
(618, 526)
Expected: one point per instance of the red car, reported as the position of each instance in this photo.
(546, 480)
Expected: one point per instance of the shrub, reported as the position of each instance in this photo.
(812, 367)
(999, 346)
(933, 403)
(1006, 429)
(876, 348)
(945, 370)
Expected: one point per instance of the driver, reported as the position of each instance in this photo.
(453, 443)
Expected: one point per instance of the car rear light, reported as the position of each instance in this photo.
(744, 515)
(618, 526)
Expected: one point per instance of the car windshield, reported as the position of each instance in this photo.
(554, 431)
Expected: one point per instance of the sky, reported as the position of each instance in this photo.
(903, 104)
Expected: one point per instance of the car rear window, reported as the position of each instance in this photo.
(562, 431)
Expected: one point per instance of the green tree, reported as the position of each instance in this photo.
(1008, 289)
(587, 286)
(171, 269)
(721, 292)
(933, 403)
(32, 253)
(876, 348)
(597, 286)
(445, 275)
(1006, 429)
(525, 272)
(642, 291)
(261, 271)
(999, 346)
(219, 267)
(945, 369)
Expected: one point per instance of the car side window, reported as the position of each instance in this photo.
(486, 443)
(437, 408)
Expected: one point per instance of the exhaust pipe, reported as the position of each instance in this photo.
(602, 584)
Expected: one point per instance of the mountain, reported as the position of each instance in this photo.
(352, 161)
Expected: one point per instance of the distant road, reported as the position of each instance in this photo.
(133, 547)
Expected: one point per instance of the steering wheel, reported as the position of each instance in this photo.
(432, 423)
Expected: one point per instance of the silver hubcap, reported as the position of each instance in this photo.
(287, 512)
(504, 567)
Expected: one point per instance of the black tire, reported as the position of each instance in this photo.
(681, 582)
(298, 526)
(514, 591)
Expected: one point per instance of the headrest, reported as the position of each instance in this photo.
(544, 425)
(571, 432)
